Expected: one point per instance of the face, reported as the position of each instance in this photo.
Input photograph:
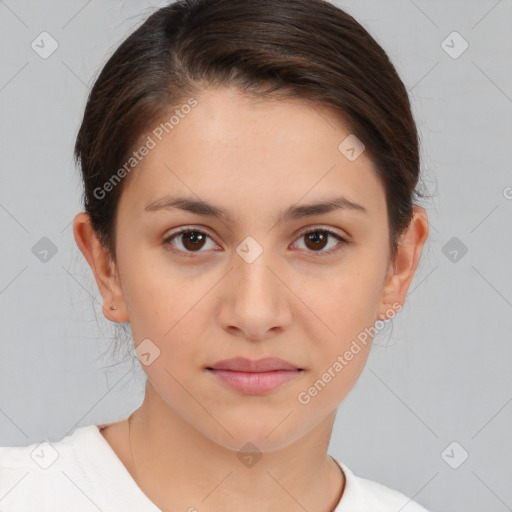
(253, 283)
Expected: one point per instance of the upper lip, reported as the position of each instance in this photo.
(242, 364)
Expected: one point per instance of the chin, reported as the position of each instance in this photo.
(266, 434)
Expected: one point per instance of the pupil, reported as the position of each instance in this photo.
(194, 238)
(316, 237)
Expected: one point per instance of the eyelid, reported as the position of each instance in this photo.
(186, 229)
(329, 230)
(342, 239)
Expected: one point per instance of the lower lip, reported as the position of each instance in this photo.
(255, 383)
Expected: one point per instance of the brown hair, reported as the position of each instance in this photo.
(308, 49)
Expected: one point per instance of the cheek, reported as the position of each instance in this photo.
(152, 289)
(347, 298)
(169, 311)
(341, 352)
(347, 306)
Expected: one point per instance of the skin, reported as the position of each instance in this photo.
(290, 302)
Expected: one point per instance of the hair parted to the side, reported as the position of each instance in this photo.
(307, 49)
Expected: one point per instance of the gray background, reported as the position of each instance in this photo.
(440, 374)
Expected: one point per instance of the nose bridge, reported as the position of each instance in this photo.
(253, 300)
(251, 266)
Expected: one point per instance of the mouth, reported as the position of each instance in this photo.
(242, 364)
(254, 377)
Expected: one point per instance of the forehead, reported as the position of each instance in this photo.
(253, 151)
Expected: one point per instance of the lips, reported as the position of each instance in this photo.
(254, 377)
(242, 364)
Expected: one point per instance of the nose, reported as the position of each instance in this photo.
(254, 302)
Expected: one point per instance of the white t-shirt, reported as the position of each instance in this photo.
(82, 473)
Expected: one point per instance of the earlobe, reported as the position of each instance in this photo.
(405, 263)
(104, 269)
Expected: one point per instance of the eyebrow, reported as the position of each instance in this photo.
(294, 212)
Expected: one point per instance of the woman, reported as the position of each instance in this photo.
(250, 169)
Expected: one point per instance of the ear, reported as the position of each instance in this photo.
(401, 270)
(103, 267)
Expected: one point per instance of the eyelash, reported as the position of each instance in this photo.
(167, 241)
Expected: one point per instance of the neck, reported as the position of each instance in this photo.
(179, 468)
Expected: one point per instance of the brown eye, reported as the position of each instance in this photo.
(317, 239)
(192, 240)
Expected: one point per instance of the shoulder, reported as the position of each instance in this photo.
(31, 474)
(44, 454)
(362, 494)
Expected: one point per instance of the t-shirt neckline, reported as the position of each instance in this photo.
(121, 481)
(125, 483)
